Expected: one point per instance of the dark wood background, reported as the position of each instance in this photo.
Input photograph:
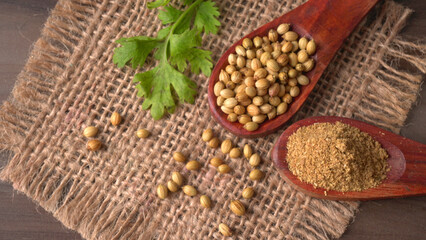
(20, 25)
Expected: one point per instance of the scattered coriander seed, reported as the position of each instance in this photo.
(177, 178)
(142, 133)
(179, 157)
(224, 229)
(162, 191)
(226, 146)
(216, 162)
(214, 142)
(247, 151)
(256, 174)
(172, 186)
(90, 131)
(247, 193)
(193, 165)
(205, 201)
(115, 118)
(254, 160)
(235, 153)
(94, 145)
(207, 135)
(189, 190)
(237, 207)
(223, 168)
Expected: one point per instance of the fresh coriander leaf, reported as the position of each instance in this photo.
(169, 15)
(136, 48)
(185, 22)
(164, 32)
(201, 60)
(206, 17)
(157, 4)
(156, 86)
(180, 47)
(187, 2)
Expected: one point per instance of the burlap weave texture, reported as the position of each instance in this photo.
(70, 82)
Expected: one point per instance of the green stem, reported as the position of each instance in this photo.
(178, 21)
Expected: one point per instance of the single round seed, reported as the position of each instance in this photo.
(230, 69)
(258, 101)
(262, 84)
(90, 131)
(294, 91)
(246, 102)
(227, 93)
(272, 114)
(251, 54)
(274, 90)
(251, 126)
(283, 28)
(292, 73)
(224, 229)
(299, 67)
(240, 50)
(287, 47)
(282, 108)
(172, 186)
(255, 64)
(302, 56)
(268, 48)
(232, 59)
(303, 80)
(308, 65)
(241, 61)
(249, 81)
(283, 76)
(282, 59)
(292, 82)
(256, 174)
(290, 36)
(259, 118)
(237, 207)
(243, 119)
(230, 103)
(216, 162)
(239, 110)
(265, 57)
(272, 65)
(295, 46)
(302, 43)
(205, 201)
(273, 35)
(235, 153)
(259, 53)
(223, 168)
(247, 151)
(254, 160)
(277, 46)
(179, 157)
(266, 40)
(253, 110)
(237, 76)
(226, 146)
(311, 47)
(193, 165)
(287, 98)
(219, 86)
(247, 43)
(115, 118)
(94, 145)
(232, 117)
(214, 142)
(230, 85)
(292, 59)
(282, 91)
(162, 191)
(247, 193)
(265, 108)
(189, 190)
(177, 178)
(224, 76)
(250, 91)
(207, 135)
(274, 101)
(257, 41)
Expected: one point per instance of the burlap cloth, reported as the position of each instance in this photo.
(70, 82)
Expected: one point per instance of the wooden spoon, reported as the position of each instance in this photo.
(328, 22)
(407, 161)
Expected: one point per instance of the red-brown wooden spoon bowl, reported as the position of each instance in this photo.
(407, 159)
(329, 22)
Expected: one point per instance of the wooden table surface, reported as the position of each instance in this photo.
(20, 25)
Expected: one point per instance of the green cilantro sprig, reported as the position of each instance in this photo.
(175, 46)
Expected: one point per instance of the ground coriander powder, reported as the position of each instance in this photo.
(336, 157)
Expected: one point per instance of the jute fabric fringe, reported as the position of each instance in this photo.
(70, 82)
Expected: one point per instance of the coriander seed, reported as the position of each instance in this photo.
(207, 135)
(240, 50)
(179, 157)
(283, 28)
(94, 145)
(247, 151)
(232, 117)
(302, 43)
(214, 143)
(162, 191)
(237, 207)
(219, 86)
(223, 168)
(251, 126)
(189, 190)
(243, 119)
(282, 108)
(247, 193)
(259, 118)
(303, 80)
(205, 201)
(247, 43)
(290, 36)
(216, 162)
(172, 186)
(257, 41)
(224, 229)
(254, 160)
(193, 165)
(235, 153)
(115, 118)
(142, 133)
(90, 131)
(256, 174)
(232, 59)
(311, 47)
(177, 178)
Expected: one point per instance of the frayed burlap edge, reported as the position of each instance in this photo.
(33, 94)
